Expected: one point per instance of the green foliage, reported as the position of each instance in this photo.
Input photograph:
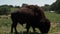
(4, 10)
(17, 6)
(7, 9)
(46, 7)
(55, 6)
(52, 7)
(24, 4)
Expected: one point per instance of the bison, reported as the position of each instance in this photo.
(33, 16)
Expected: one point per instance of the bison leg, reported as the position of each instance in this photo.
(14, 24)
(11, 28)
(27, 27)
(34, 29)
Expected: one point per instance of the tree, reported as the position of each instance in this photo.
(24, 4)
(10, 5)
(46, 7)
(55, 6)
(17, 6)
(4, 10)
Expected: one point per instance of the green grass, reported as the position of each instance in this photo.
(5, 24)
(53, 17)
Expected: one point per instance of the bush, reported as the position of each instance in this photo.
(4, 10)
(57, 11)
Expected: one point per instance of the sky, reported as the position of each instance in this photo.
(30, 2)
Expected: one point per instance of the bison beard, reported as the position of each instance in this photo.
(33, 16)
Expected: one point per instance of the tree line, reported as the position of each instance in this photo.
(7, 9)
(53, 7)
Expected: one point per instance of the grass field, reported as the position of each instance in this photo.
(5, 24)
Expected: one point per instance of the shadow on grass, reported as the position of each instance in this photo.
(25, 32)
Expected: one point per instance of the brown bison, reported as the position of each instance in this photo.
(33, 16)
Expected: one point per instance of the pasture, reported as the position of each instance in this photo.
(5, 24)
